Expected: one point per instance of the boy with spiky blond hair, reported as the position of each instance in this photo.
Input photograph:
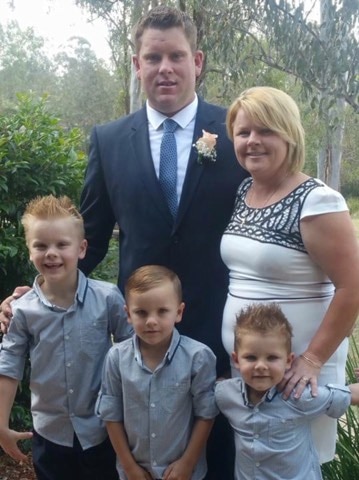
(273, 435)
(65, 325)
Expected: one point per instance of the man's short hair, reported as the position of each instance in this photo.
(163, 18)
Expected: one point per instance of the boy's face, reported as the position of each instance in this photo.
(262, 360)
(153, 314)
(55, 246)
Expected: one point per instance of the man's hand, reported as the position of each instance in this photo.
(5, 307)
(8, 442)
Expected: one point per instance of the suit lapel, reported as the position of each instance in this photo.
(194, 171)
(143, 161)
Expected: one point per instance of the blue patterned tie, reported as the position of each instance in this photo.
(168, 164)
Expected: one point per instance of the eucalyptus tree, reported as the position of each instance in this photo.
(24, 64)
(87, 91)
(120, 17)
(322, 52)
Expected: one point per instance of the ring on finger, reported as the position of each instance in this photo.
(304, 379)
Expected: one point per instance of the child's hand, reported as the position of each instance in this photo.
(138, 473)
(178, 470)
(8, 442)
(356, 373)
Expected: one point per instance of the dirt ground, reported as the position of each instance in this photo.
(11, 470)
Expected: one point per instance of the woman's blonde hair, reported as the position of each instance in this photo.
(276, 110)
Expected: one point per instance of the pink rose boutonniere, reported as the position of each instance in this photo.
(206, 148)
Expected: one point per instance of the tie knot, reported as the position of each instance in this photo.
(169, 125)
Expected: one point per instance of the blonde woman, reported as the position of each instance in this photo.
(290, 240)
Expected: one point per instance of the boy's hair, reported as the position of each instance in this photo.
(264, 318)
(277, 111)
(163, 18)
(151, 276)
(50, 207)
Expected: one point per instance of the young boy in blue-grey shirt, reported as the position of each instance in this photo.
(272, 435)
(157, 393)
(65, 324)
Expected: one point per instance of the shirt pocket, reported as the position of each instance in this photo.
(282, 433)
(95, 338)
(174, 396)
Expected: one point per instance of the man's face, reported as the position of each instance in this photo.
(167, 69)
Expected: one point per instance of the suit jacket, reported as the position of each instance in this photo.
(121, 186)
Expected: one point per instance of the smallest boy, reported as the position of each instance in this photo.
(65, 324)
(157, 394)
(272, 435)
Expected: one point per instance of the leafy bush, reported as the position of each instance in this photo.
(345, 465)
(353, 204)
(37, 157)
(107, 270)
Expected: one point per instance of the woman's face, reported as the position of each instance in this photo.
(258, 149)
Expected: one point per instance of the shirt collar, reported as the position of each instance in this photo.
(80, 295)
(183, 117)
(268, 397)
(175, 341)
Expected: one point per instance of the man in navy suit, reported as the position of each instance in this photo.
(122, 186)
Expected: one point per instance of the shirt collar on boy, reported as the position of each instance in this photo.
(80, 294)
(175, 341)
(267, 397)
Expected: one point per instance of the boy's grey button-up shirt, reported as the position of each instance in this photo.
(273, 438)
(67, 349)
(158, 408)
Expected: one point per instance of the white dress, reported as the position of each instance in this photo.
(265, 254)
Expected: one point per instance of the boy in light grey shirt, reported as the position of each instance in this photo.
(157, 394)
(272, 435)
(65, 324)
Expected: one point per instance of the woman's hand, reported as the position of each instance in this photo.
(304, 370)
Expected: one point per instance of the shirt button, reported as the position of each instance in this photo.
(153, 405)
(71, 391)
(153, 435)
(154, 463)
(256, 410)
(257, 464)
(256, 435)
(66, 337)
(68, 364)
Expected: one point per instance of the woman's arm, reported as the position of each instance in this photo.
(332, 244)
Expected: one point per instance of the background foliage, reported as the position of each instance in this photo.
(48, 105)
(37, 157)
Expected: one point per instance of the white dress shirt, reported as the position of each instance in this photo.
(184, 138)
